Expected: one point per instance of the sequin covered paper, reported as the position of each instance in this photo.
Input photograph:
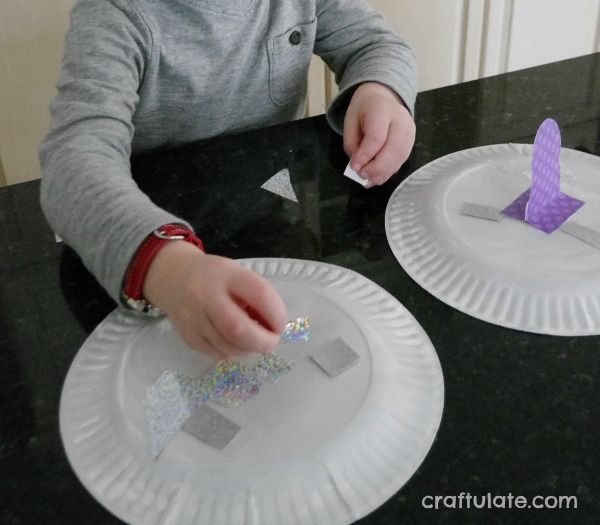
(175, 397)
(166, 410)
(230, 383)
(270, 367)
(296, 331)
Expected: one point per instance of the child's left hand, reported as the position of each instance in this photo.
(379, 132)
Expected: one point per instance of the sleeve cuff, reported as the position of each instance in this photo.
(337, 110)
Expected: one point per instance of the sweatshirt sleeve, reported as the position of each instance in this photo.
(359, 46)
(87, 192)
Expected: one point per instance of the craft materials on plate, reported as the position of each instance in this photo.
(229, 383)
(175, 399)
(571, 228)
(543, 205)
(505, 271)
(281, 185)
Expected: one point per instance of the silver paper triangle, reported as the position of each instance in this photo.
(281, 185)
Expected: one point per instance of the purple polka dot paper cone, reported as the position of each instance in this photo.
(544, 206)
(545, 165)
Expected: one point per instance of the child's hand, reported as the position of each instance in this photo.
(218, 307)
(379, 132)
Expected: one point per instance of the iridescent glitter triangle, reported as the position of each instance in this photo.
(281, 185)
(296, 330)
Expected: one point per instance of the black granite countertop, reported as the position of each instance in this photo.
(521, 411)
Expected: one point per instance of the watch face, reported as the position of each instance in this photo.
(141, 306)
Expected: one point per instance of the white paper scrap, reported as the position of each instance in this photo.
(166, 410)
(351, 174)
(281, 185)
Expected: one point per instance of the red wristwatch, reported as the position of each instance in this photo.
(132, 293)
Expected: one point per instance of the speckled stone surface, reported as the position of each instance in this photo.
(522, 411)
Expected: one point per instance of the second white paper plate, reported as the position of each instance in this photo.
(507, 273)
(311, 449)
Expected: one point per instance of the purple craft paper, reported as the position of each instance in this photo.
(543, 205)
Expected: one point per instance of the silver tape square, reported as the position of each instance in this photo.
(210, 427)
(335, 357)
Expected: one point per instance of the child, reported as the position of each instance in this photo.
(139, 74)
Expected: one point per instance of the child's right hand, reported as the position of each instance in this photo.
(218, 307)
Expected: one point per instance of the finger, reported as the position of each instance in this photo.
(200, 333)
(376, 181)
(390, 157)
(259, 297)
(216, 332)
(375, 132)
(203, 344)
(237, 333)
(210, 350)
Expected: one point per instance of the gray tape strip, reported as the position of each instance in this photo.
(583, 233)
(483, 212)
(587, 235)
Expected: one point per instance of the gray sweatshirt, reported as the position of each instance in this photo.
(138, 74)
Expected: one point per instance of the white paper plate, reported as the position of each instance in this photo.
(507, 273)
(312, 449)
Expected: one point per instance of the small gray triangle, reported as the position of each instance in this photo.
(281, 184)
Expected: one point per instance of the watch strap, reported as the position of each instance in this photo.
(132, 293)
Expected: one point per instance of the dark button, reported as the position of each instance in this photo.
(296, 37)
